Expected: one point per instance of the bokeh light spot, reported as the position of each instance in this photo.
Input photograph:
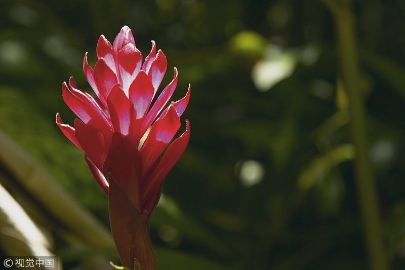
(23, 15)
(382, 152)
(251, 173)
(169, 235)
(12, 53)
(276, 66)
(166, 4)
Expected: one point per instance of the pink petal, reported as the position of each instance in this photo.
(120, 110)
(75, 103)
(68, 131)
(123, 164)
(149, 59)
(86, 108)
(105, 80)
(157, 69)
(98, 175)
(181, 104)
(123, 38)
(169, 159)
(160, 102)
(84, 96)
(160, 135)
(130, 58)
(89, 73)
(130, 61)
(106, 52)
(92, 141)
(141, 94)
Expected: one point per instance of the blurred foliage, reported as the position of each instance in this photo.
(267, 180)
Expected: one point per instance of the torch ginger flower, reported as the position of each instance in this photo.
(111, 128)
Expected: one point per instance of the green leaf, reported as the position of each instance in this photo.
(320, 166)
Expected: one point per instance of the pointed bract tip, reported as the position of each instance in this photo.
(101, 40)
(123, 38)
(58, 119)
(153, 50)
(85, 62)
(182, 103)
(72, 83)
(65, 87)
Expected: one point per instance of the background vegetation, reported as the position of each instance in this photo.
(268, 179)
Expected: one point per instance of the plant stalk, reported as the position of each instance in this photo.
(365, 179)
(130, 230)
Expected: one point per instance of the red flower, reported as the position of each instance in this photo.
(112, 127)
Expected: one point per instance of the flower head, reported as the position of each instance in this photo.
(111, 124)
(126, 130)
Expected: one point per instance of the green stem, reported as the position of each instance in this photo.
(365, 180)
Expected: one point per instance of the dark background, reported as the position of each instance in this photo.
(267, 180)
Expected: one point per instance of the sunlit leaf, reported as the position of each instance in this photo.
(276, 66)
(320, 166)
(249, 43)
(21, 234)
